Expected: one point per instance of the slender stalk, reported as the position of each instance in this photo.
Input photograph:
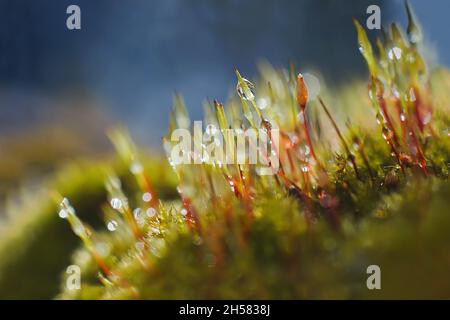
(336, 128)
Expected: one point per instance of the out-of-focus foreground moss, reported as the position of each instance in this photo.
(35, 247)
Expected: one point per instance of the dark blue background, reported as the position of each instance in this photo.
(130, 56)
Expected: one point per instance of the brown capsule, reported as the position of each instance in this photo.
(302, 92)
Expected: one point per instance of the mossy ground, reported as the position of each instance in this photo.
(378, 194)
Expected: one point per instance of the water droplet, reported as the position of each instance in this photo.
(412, 95)
(66, 209)
(211, 129)
(65, 202)
(63, 214)
(395, 92)
(183, 212)
(387, 134)
(147, 197)
(380, 119)
(305, 151)
(402, 117)
(136, 167)
(305, 169)
(138, 216)
(116, 203)
(245, 89)
(395, 53)
(112, 225)
(151, 212)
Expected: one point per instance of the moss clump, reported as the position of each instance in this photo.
(346, 196)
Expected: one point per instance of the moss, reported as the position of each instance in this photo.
(346, 197)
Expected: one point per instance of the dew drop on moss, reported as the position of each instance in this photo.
(136, 167)
(147, 197)
(63, 214)
(112, 225)
(245, 89)
(116, 203)
(151, 212)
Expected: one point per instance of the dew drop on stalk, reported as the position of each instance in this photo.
(402, 117)
(361, 49)
(65, 202)
(112, 225)
(380, 119)
(412, 95)
(395, 53)
(116, 203)
(245, 89)
(395, 92)
(147, 197)
(211, 129)
(63, 214)
(183, 212)
(138, 216)
(387, 134)
(305, 151)
(136, 167)
(151, 212)
(66, 209)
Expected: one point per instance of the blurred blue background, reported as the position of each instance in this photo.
(131, 56)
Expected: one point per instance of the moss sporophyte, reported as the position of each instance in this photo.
(277, 197)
